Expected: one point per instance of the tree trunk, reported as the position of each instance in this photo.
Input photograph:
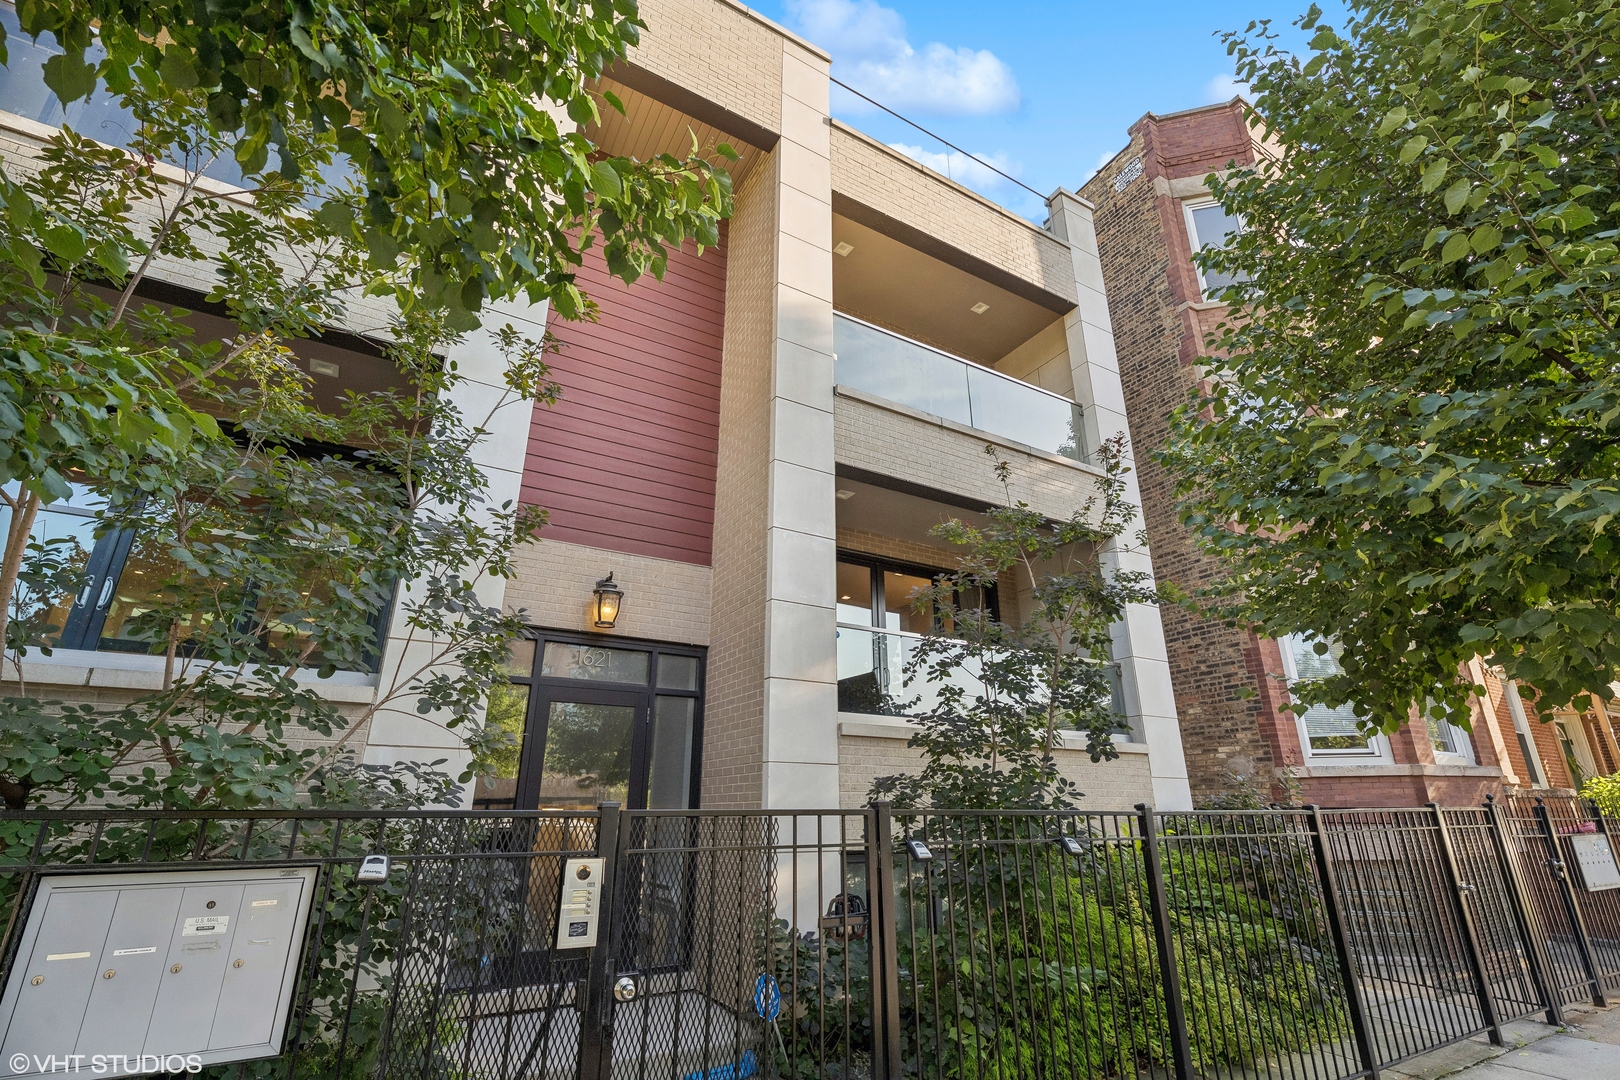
(22, 525)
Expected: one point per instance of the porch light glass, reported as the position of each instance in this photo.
(606, 604)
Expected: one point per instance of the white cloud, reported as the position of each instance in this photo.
(1223, 87)
(871, 53)
(971, 170)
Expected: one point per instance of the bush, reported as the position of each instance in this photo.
(1017, 959)
(1605, 792)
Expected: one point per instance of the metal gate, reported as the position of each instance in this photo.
(450, 968)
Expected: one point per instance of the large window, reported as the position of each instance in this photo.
(1323, 731)
(595, 720)
(1337, 732)
(1210, 226)
(883, 594)
(122, 578)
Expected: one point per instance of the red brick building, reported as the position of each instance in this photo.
(1152, 210)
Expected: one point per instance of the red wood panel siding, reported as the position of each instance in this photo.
(626, 459)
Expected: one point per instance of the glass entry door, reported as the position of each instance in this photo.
(593, 720)
(582, 749)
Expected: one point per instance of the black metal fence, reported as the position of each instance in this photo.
(1274, 945)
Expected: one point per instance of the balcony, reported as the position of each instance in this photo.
(913, 374)
(872, 675)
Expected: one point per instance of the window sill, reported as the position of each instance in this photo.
(863, 726)
(126, 671)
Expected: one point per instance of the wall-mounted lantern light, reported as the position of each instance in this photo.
(606, 604)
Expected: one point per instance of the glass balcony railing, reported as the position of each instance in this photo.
(872, 676)
(909, 373)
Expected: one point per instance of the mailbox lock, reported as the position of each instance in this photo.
(238, 963)
(109, 973)
(624, 989)
(37, 979)
(175, 969)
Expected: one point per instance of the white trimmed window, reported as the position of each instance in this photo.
(1452, 746)
(1324, 733)
(1210, 226)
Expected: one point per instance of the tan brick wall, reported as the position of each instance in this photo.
(895, 441)
(733, 729)
(1043, 361)
(110, 698)
(664, 600)
(1108, 785)
(887, 181)
(21, 141)
(718, 50)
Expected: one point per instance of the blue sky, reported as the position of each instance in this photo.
(1045, 91)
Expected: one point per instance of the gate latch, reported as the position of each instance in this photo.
(624, 989)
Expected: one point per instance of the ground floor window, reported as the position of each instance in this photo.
(122, 576)
(592, 720)
(1326, 732)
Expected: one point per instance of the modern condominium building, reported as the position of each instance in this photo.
(755, 451)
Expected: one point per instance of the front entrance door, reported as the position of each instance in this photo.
(595, 720)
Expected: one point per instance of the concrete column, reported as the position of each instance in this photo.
(1139, 647)
(398, 732)
(801, 681)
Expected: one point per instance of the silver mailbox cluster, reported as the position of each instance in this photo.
(123, 967)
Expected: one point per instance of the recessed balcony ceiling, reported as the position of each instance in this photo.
(890, 284)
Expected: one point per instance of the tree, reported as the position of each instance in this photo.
(424, 141)
(268, 540)
(1412, 442)
(989, 741)
(271, 533)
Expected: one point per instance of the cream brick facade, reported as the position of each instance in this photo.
(868, 750)
(721, 51)
(879, 436)
(552, 587)
(870, 173)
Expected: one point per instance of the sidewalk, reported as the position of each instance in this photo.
(1587, 1048)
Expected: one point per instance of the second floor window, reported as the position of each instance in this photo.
(883, 595)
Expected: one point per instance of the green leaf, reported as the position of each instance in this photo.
(177, 68)
(1392, 120)
(111, 258)
(1456, 247)
(581, 109)
(605, 180)
(1434, 174)
(1457, 194)
(70, 77)
(66, 241)
(1412, 148)
(1485, 238)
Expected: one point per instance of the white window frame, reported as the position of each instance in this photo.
(1463, 755)
(1377, 751)
(1187, 208)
